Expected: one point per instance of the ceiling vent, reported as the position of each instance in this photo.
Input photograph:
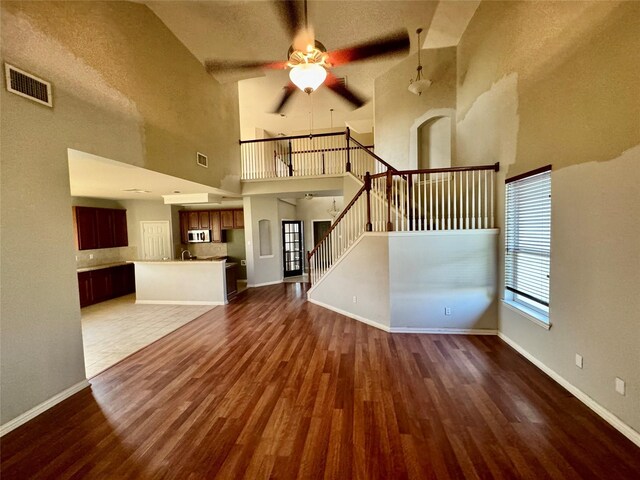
(28, 86)
(202, 160)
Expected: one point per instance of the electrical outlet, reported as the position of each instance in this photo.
(76, 258)
(243, 263)
(620, 386)
(355, 299)
(447, 310)
(91, 256)
(578, 360)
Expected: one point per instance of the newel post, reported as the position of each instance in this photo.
(309, 265)
(290, 160)
(410, 211)
(389, 191)
(367, 187)
(348, 137)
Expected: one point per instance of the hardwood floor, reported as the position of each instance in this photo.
(271, 386)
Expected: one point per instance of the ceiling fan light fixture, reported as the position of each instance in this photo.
(307, 76)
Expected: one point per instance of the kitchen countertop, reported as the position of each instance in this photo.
(100, 267)
(195, 260)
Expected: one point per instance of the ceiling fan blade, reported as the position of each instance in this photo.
(291, 15)
(217, 66)
(395, 43)
(286, 95)
(338, 87)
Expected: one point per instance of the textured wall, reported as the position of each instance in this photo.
(124, 88)
(557, 83)
(396, 109)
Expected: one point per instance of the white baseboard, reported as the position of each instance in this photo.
(253, 285)
(444, 331)
(177, 302)
(350, 315)
(381, 326)
(609, 417)
(38, 409)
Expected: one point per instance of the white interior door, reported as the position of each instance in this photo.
(156, 240)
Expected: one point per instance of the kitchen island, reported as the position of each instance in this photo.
(176, 282)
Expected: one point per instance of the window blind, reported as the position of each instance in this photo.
(528, 235)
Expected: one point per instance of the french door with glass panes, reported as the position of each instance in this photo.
(292, 252)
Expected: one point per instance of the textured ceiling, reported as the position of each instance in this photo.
(251, 30)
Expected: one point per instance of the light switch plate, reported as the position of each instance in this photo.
(578, 360)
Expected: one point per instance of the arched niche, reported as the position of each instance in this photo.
(433, 139)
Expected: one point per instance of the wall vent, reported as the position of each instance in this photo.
(28, 86)
(202, 160)
(342, 81)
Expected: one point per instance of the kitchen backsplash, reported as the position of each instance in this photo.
(203, 249)
(105, 255)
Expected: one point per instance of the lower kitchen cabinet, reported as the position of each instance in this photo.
(231, 279)
(103, 284)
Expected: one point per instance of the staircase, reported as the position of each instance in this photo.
(457, 198)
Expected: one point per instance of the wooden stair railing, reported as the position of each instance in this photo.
(457, 198)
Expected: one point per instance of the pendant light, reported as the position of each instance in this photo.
(420, 84)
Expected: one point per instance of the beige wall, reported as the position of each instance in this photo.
(124, 88)
(396, 109)
(557, 83)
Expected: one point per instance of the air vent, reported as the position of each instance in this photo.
(28, 86)
(202, 160)
(342, 81)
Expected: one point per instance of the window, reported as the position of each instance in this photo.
(528, 242)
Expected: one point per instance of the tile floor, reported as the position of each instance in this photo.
(115, 329)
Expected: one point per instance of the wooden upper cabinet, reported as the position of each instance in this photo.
(100, 227)
(203, 217)
(120, 235)
(231, 219)
(184, 227)
(238, 219)
(84, 220)
(216, 227)
(194, 221)
(105, 226)
(226, 219)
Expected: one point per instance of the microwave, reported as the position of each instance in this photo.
(198, 236)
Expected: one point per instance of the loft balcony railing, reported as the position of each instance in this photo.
(308, 155)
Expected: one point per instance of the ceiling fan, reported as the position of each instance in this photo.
(309, 61)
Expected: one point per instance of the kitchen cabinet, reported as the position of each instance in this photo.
(226, 219)
(214, 220)
(102, 284)
(238, 219)
(84, 285)
(231, 219)
(105, 227)
(203, 217)
(84, 221)
(121, 235)
(216, 226)
(100, 227)
(184, 226)
(231, 274)
(194, 221)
